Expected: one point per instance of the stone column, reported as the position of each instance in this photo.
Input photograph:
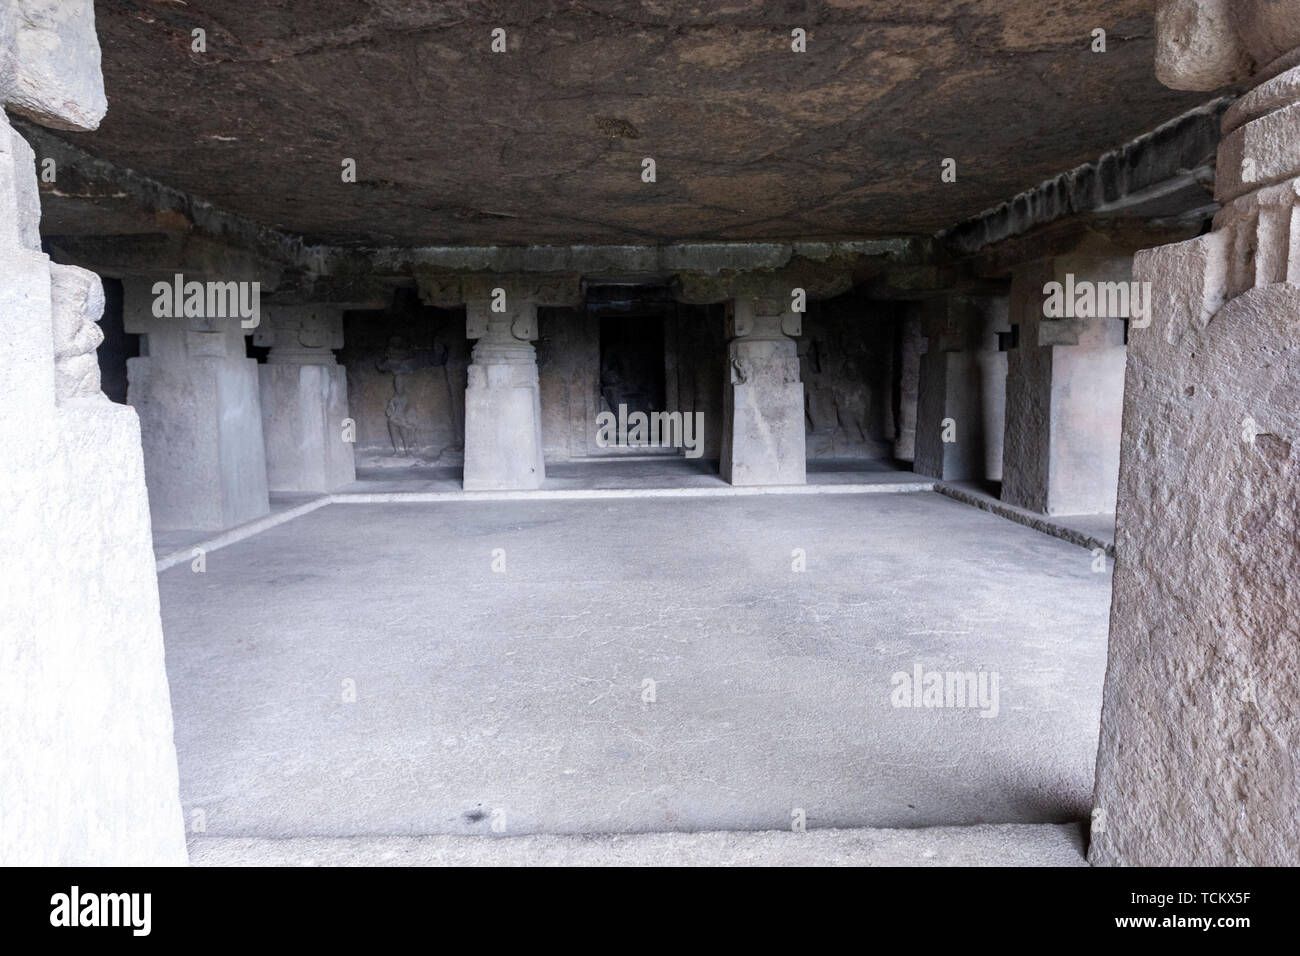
(763, 403)
(961, 403)
(911, 344)
(1065, 385)
(87, 764)
(503, 407)
(200, 413)
(304, 399)
(1200, 732)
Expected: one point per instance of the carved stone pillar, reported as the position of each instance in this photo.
(87, 764)
(1065, 384)
(304, 398)
(961, 403)
(200, 410)
(1200, 732)
(503, 408)
(763, 406)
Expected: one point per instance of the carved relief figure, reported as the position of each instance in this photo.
(77, 297)
(401, 429)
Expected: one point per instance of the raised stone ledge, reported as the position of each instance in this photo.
(1173, 157)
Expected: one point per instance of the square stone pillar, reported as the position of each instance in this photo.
(1065, 387)
(304, 399)
(503, 406)
(762, 398)
(911, 345)
(198, 398)
(961, 403)
(87, 763)
(1200, 730)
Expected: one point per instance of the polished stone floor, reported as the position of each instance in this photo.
(632, 666)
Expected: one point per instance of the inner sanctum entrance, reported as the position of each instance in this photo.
(632, 363)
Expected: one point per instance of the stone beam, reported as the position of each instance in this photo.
(1163, 176)
(143, 204)
(816, 280)
(162, 255)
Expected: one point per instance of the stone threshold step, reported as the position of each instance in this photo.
(1046, 524)
(1016, 844)
(595, 494)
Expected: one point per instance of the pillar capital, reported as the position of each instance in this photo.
(155, 308)
(1208, 44)
(448, 290)
(762, 318)
(301, 334)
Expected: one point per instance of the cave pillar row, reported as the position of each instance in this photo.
(763, 399)
(1200, 732)
(304, 399)
(87, 763)
(961, 390)
(1065, 383)
(199, 402)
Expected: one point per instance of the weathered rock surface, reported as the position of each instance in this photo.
(455, 144)
(1200, 727)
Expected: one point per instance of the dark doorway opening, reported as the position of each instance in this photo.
(632, 362)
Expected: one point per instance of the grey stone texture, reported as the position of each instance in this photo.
(304, 399)
(503, 411)
(427, 349)
(198, 397)
(846, 363)
(764, 144)
(763, 400)
(522, 689)
(962, 389)
(910, 347)
(87, 764)
(1199, 733)
(49, 63)
(1065, 390)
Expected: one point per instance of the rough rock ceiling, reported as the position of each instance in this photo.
(455, 144)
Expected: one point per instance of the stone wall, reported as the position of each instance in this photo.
(422, 353)
(846, 357)
(846, 363)
(433, 353)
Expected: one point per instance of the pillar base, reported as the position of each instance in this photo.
(303, 408)
(503, 426)
(201, 424)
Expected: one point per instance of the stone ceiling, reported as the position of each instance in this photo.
(455, 144)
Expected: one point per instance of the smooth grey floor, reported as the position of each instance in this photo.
(165, 542)
(515, 699)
